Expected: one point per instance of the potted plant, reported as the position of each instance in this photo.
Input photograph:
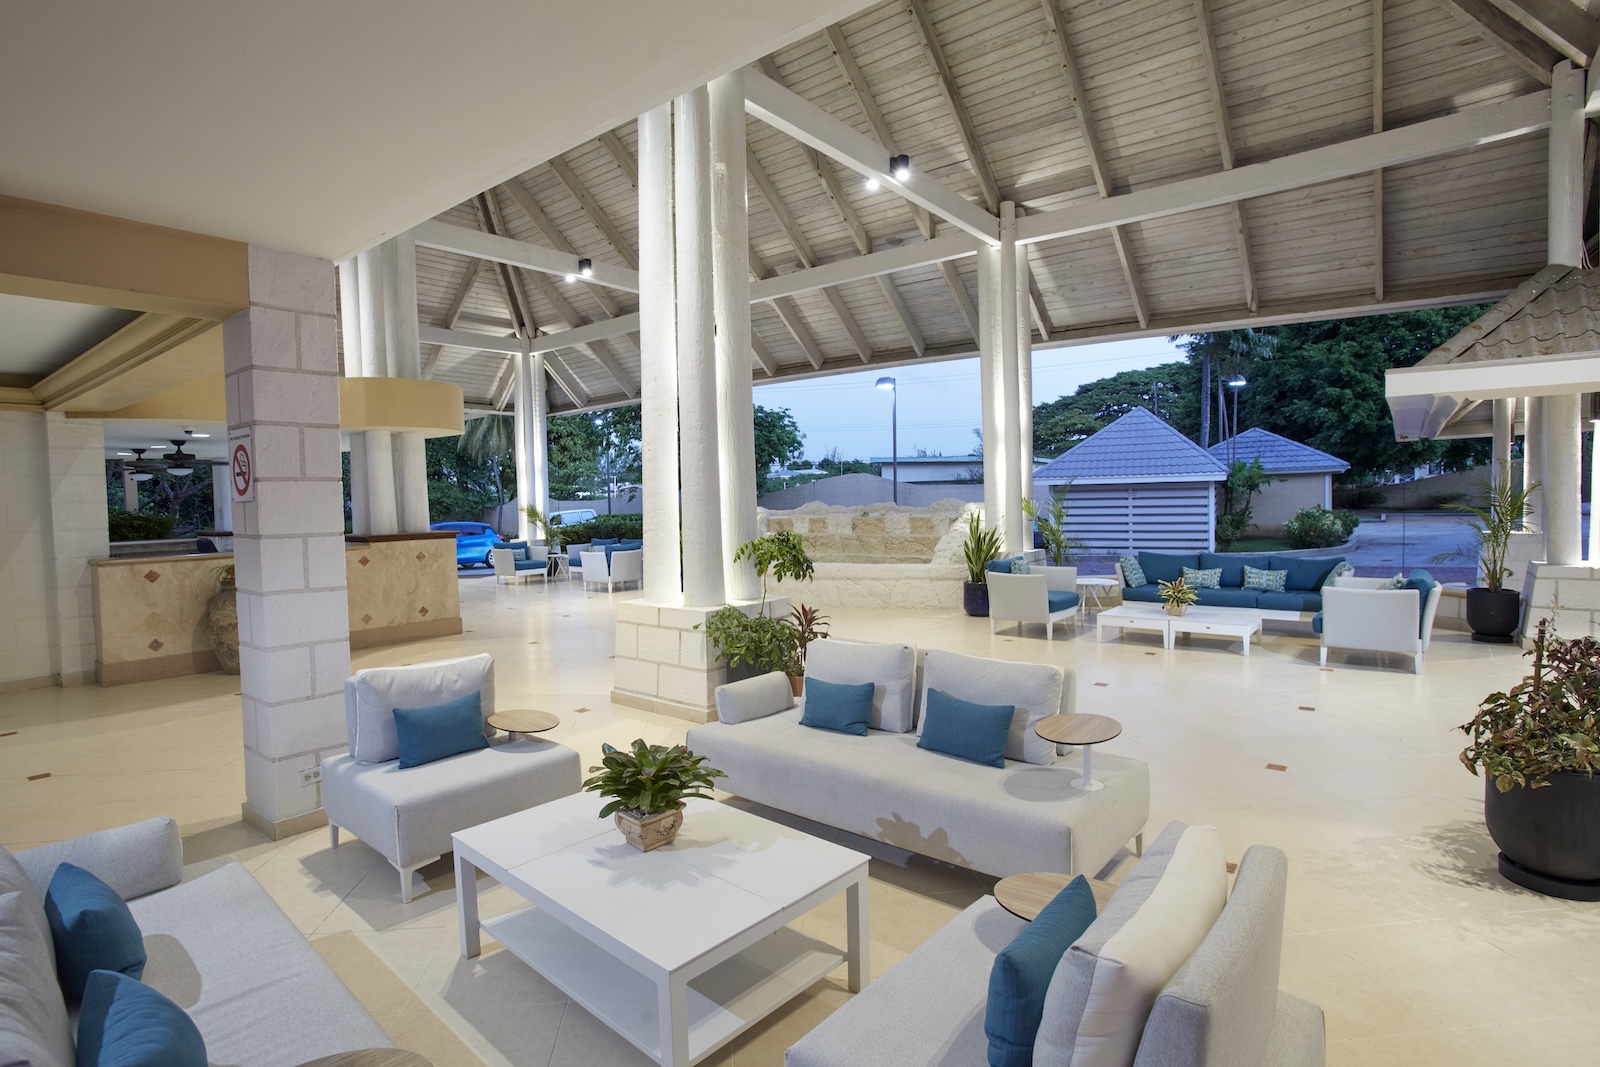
(543, 529)
(1493, 611)
(809, 625)
(759, 642)
(1538, 745)
(981, 548)
(1177, 595)
(781, 555)
(222, 620)
(647, 786)
(1061, 549)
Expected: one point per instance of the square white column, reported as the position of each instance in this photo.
(76, 467)
(282, 374)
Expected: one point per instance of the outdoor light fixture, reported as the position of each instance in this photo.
(585, 267)
(894, 433)
(179, 461)
(191, 433)
(1237, 381)
(124, 453)
(141, 476)
(571, 278)
(873, 185)
(900, 167)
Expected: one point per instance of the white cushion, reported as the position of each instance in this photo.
(372, 695)
(1106, 984)
(890, 668)
(1034, 689)
(33, 1018)
(754, 698)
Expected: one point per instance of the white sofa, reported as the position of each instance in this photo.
(1366, 614)
(408, 814)
(611, 571)
(1025, 817)
(534, 564)
(1223, 1008)
(1027, 598)
(218, 947)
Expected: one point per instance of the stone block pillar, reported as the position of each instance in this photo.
(76, 466)
(663, 663)
(282, 378)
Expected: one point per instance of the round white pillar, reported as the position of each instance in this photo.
(382, 517)
(522, 416)
(658, 359)
(1008, 416)
(1504, 413)
(990, 384)
(539, 436)
(1563, 444)
(1533, 461)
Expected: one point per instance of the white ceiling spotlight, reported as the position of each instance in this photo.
(191, 433)
(586, 268)
(900, 167)
(873, 185)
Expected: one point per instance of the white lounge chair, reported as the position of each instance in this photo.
(518, 561)
(1048, 595)
(618, 568)
(1365, 614)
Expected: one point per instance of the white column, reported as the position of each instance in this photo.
(658, 359)
(1007, 416)
(1024, 409)
(991, 384)
(1533, 460)
(730, 258)
(1563, 444)
(282, 379)
(539, 435)
(1565, 173)
(697, 363)
(371, 327)
(130, 491)
(351, 339)
(221, 502)
(1594, 495)
(405, 361)
(77, 532)
(522, 417)
(1504, 412)
(382, 514)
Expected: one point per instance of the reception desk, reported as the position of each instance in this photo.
(150, 613)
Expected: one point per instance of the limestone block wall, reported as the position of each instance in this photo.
(664, 664)
(902, 586)
(869, 533)
(1568, 596)
(402, 587)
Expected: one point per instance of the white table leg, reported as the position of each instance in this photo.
(855, 900)
(1087, 782)
(467, 906)
(672, 1013)
(1247, 645)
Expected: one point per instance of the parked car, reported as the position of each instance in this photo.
(474, 540)
(567, 518)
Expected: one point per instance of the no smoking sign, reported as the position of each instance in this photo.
(242, 465)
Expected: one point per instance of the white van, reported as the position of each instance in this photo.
(567, 518)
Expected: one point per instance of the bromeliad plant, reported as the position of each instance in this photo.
(1544, 724)
(981, 548)
(1177, 593)
(649, 779)
(1504, 511)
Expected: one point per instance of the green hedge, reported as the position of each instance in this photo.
(1317, 527)
(128, 527)
(625, 527)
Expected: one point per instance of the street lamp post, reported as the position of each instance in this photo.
(1237, 384)
(605, 459)
(894, 433)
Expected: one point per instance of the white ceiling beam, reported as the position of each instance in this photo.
(529, 206)
(920, 254)
(763, 355)
(1520, 45)
(476, 342)
(1563, 25)
(591, 207)
(452, 314)
(1219, 102)
(619, 152)
(544, 342)
(1379, 253)
(496, 249)
(810, 125)
(789, 313)
(1471, 128)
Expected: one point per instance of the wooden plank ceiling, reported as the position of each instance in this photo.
(1047, 103)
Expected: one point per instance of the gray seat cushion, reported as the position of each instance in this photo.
(1033, 689)
(136, 859)
(929, 1007)
(33, 1019)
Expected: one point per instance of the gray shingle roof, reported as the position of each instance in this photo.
(1279, 455)
(1554, 313)
(1139, 446)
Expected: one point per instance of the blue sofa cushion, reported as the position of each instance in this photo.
(836, 706)
(531, 564)
(622, 546)
(518, 549)
(92, 928)
(1001, 566)
(1132, 573)
(1228, 598)
(1316, 623)
(1307, 573)
(1290, 600)
(428, 734)
(1423, 583)
(601, 542)
(1149, 594)
(1164, 567)
(1062, 600)
(960, 728)
(126, 1023)
(1232, 566)
(1022, 973)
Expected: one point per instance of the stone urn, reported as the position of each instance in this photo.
(222, 622)
(652, 831)
(1176, 609)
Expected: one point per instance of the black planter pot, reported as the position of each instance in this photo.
(1493, 614)
(1549, 837)
(975, 599)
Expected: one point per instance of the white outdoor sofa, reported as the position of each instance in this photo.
(611, 571)
(1366, 614)
(1027, 816)
(1045, 595)
(408, 814)
(519, 561)
(1223, 1008)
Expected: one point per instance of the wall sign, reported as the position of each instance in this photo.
(242, 464)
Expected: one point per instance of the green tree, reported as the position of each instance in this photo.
(1224, 352)
(836, 464)
(1171, 390)
(778, 441)
(491, 439)
(584, 448)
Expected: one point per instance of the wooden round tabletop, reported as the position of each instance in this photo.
(1076, 729)
(372, 1057)
(1025, 895)
(523, 721)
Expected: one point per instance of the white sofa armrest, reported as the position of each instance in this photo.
(1379, 620)
(135, 860)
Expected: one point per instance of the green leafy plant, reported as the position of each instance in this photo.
(1231, 528)
(123, 526)
(760, 642)
(1544, 724)
(1504, 511)
(649, 779)
(809, 625)
(556, 537)
(1244, 481)
(625, 527)
(1060, 548)
(1177, 593)
(780, 555)
(981, 548)
(1317, 527)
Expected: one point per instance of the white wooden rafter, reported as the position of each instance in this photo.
(1522, 46)
(452, 313)
(1219, 103)
(591, 207)
(501, 249)
(1378, 251)
(1563, 25)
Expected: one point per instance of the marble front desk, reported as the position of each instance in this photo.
(149, 613)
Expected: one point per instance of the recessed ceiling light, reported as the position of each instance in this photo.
(571, 278)
(193, 434)
(873, 185)
(124, 453)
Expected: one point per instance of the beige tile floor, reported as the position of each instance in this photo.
(1397, 924)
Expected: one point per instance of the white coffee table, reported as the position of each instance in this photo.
(1135, 615)
(1094, 584)
(1241, 623)
(681, 949)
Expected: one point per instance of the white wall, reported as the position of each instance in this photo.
(1285, 495)
(24, 549)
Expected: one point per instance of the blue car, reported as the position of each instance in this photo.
(474, 540)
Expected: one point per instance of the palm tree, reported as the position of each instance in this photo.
(1231, 351)
(490, 438)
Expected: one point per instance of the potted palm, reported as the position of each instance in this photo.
(1493, 611)
(981, 548)
(1177, 595)
(647, 785)
(1538, 745)
(1061, 549)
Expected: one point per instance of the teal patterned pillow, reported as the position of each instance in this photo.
(1132, 572)
(1264, 581)
(1338, 572)
(1020, 566)
(1203, 579)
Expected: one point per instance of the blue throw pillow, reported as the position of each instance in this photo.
(1264, 581)
(428, 734)
(845, 709)
(1132, 573)
(1001, 566)
(1209, 578)
(92, 928)
(1020, 566)
(1423, 583)
(125, 1023)
(1022, 973)
(960, 728)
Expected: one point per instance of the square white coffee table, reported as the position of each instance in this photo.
(1134, 615)
(1240, 623)
(681, 949)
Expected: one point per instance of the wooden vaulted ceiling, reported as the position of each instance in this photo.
(1049, 103)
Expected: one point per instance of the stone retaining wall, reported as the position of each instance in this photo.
(869, 533)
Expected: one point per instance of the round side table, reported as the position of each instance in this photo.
(1083, 731)
(523, 721)
(1025, 895)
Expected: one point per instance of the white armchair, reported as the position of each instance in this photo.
(617, 569)
(1048, 595)
(520, 561)
(1366, 614)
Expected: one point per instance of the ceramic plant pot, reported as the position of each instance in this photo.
(1177, 609)
(1549, 837)
(975, 599)
(222, 622)
(652, 831)
(797, 684)
(1493, 614)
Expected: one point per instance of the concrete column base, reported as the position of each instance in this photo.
(279, 829)
(663, 663)
(1567, 596)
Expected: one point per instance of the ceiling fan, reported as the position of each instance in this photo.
(176, 463)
